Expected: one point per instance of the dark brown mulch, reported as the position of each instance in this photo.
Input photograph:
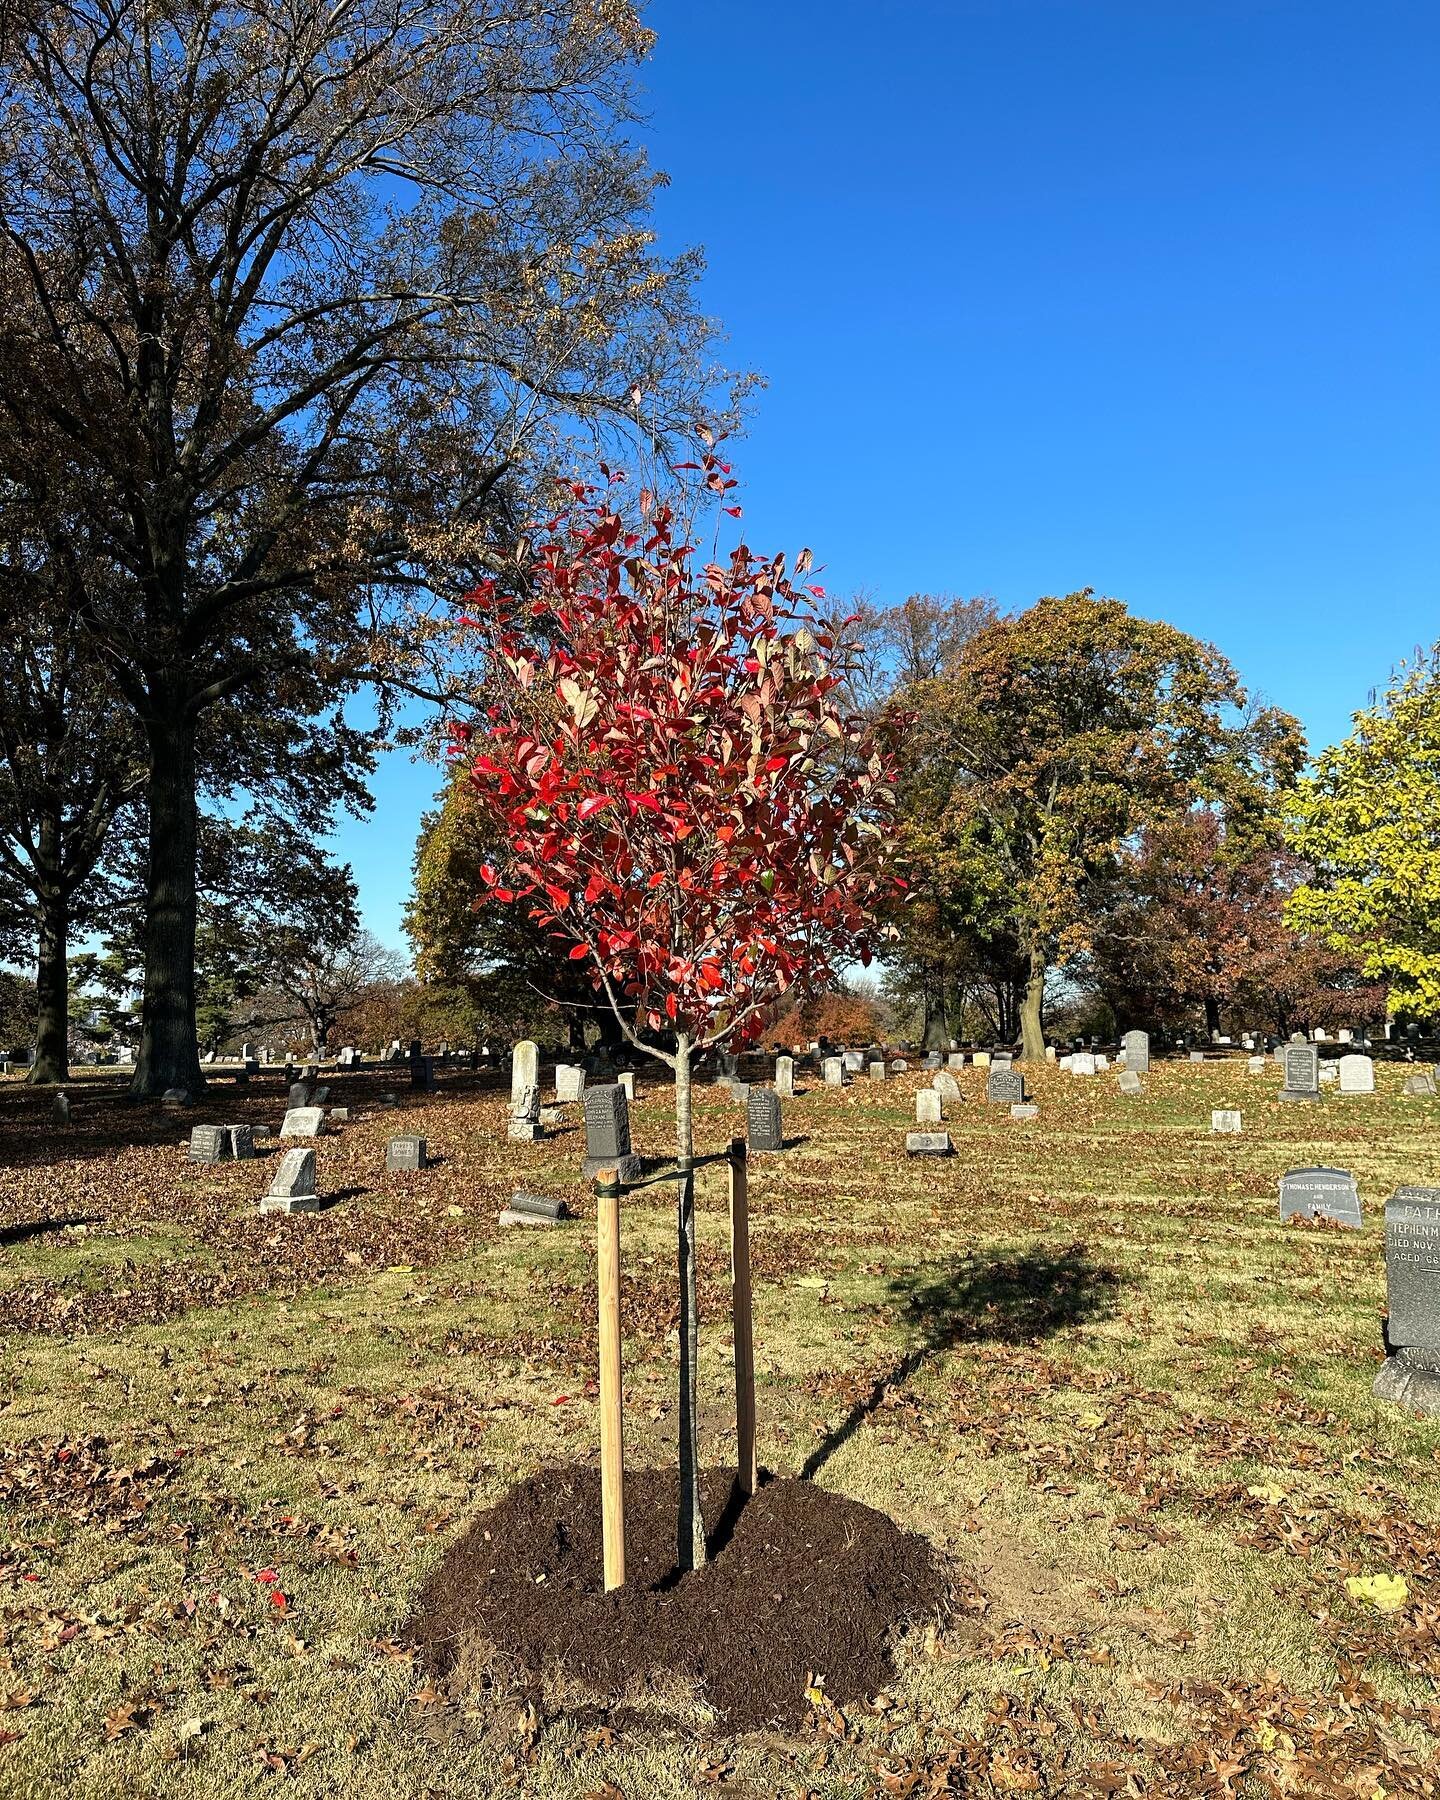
(800, 1582)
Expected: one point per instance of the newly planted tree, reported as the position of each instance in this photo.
(685, 802)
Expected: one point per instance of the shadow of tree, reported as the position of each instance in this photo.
(975, 1300)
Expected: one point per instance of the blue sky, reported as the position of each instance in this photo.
(1064, 293)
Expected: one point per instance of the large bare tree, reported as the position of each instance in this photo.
(314, 295)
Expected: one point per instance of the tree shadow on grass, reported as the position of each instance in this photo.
(981, 1300)
(18, 1234)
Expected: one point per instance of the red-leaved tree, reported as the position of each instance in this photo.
(688, 803)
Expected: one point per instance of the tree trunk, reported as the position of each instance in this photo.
(169, 1054)
(1212, 1016)
(690, 1540)
(937, 1024)
(1032, 1010)
(52, 986)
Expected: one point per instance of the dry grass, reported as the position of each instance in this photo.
(1082, 1356)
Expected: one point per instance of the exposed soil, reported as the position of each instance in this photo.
(800, 1583)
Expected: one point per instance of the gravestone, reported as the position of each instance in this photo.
(854, 1061)
(569, 1083)
(1102, 1063)
(607, 1133)
(928, 1143)
(247, 1053)
(1226, 1121)
(946, 1086)
(1411, 1373)
(1320, 1193)
(1082, 1062)
(1301, 1063)
(933, 1060)
(876, 1071)
(1024, 1110)
(1050, 1053)
(981, 1059)
(404, 1155)
(524, 1122)
(319, 1096)
(1357, 1075)
(209, 1144)
(625, 1080)
(1005, 1087)
(303, 1121)
(1129, 1081)
(292, 1188)
(1421, 1086)
(1329, 1075)
(763, 1124)
(534, 1209)
(955, 1060)
(339, 1115)
(173, 1098)
(1197, 1056)
(60, 1109)
(929, 1109)
(1256, 1065)
(832, 1071)
(242, 1142)
(739, 1091)
(785, 1077)
(422, 1074)
(1344, 1035)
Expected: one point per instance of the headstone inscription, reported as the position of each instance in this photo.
(1357, 1075)
(404, 1155)
(1005, 1087)
(1320, 1193)
(303, 1121)
(292, 1188)
(569, 1083)
(209, 1144)
(242, 1142)
(1302, 1072)
(785, 1077)
(929, 1109)
(928, 1143)
(524, 1124)
(607, 1133)
(764, 1128)
(1411, 1373)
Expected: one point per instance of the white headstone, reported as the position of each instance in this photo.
(1227, 1122)
(1357, 1075)
(303, 1121)
(785, 1077)
(928, 1107)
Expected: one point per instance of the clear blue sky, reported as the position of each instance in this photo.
(1133, 294)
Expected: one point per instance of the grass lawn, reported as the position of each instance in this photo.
(1083, 1357)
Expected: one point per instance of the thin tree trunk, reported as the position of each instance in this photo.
(1212, 1015)
(1032, 1011)
(690, 1539)
(52, 989)
(169, 1054)
(937, 1025)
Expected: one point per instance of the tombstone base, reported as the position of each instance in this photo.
(1295, 1094)
(628, 1168)
(1410, 1383)
(523, 1131)
(289, 1203)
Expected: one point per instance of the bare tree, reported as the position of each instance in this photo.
(313, 295)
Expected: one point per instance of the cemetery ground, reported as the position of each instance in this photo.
(1129, 1410)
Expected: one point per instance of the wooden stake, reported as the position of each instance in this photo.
(612, 1431)
(744, 1323)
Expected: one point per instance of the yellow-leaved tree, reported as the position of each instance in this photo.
(1367, 821)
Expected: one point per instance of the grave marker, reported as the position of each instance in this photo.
(303, 1121)
(607, 1133)
(1129, 1081)
(929, 1109)
(1302, 1072)
(569, 1083)
(832, 1071)
(1005, 1087)
(1320, 1193)
(1024, 1110)
(1357, 1075)
(1226, 1121)
(785, 1077)
(946, 1086)
(524, 1122)
(764, 1129)
(928, 1143)
(404, 1155)
(209, 1144)
(292, 1188)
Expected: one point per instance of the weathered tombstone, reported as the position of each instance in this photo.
(929, 1108)
(981, 1059)
(1050, 1053)
(208, 1057)
(534, 1209)
(1082, 1062)
(242, 1142)
(292, 1188)
(1129, 1081)
(933, 1060)
(763, 1124)
(303, 1121)
(60, 1109)
(1302, 1072)
(1197, 1056)
(1411, 1374)
(899, 1066)
(854, 1061)
(320, 1096)
(1102, 1063)
(1226, 1121)
(569, 1083)
(1024, 1109)
(1345, 1035)
(607, 1133)
(404, 1155)
(625, 1080)
(175, 1097)
(1357, 1075)
(928, 1143)
(338, 1115)
(876, 1071)
(1320, 1193)
(1005, 1087)
(1256, 1065)
(524, 1126)
(955, 1060)
(785, 1077)
(209, 1144)
(832, 1071)
(946, 1086)
(1329, 1075)
(299, 1094)
(247, 1053)
(1421, 1085)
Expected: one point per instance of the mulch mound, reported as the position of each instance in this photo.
(800, 1583)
